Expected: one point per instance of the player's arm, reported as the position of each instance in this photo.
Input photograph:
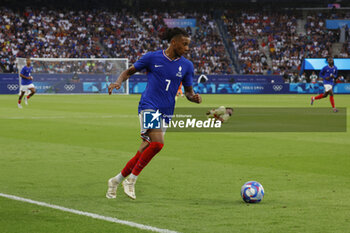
(191, 96)
(323, 74)
(125, 75)
(335, 76)
(29, 77)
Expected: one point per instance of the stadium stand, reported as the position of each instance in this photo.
(262, 36)
(42, 33)
(207, 49)
(264, 42)
(345, 52)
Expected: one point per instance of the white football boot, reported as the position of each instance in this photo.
(26, 100)
(19, 105)
(112, 188)
(129, 187)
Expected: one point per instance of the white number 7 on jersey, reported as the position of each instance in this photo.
(167, 86)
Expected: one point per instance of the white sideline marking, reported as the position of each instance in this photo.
(91, 215)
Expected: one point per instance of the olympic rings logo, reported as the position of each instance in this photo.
(69, 87)
(12, 87)
(277, 87)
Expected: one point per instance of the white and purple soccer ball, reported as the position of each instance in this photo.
(252, 192)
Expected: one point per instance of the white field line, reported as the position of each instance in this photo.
(91, 215)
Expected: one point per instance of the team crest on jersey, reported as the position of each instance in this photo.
(179, 73)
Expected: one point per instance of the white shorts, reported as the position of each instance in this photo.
(327, 87)
(144, 128)
(26, 88)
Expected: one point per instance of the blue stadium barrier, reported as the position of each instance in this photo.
(9, 84)
(210, 84)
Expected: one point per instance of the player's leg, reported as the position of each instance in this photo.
(32, 92)
(116, 180)
(132, 162)
(20, 99)
(156, 144)
(327, 88)
(331, 99)
(320, 96)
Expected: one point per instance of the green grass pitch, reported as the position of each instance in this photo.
(61, 149)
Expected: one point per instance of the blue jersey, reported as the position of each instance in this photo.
(26, 71)
(164, 78)
(326, 72)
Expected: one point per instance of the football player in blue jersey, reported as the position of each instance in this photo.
(329, 74)
(26, 83)
(166, 69)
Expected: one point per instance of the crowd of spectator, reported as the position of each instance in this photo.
(207, 48)
(319, 40)
(262, 36)
(257, 36)
(345, 50)
(101, 34)
(107, 67)
(209, 54)
(124, 38)
(47, 33)
(313, 77)
(265, 42)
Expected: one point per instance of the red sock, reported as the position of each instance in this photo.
(19, 101)
(320, 96)
(131, 164)
(28, 96)
(331, 98)
(147, 155)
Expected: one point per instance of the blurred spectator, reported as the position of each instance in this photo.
(313, 77)
(80, 34)
(340, 79)
(47, 33)
(302, 78)
(207, 49)
(293, 77)
(273, 34)
(345, 50)
(265, 42)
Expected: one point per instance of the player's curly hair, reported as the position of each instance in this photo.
(170, 33)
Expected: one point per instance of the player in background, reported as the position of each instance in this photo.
(165, 70)
(179, 91)
(221, 113)
(26, 83)
(329, 73)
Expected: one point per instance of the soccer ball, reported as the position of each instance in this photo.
(252, 192)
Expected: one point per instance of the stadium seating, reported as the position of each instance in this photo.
(345, 51)
(43, 33)
(264, 42)
(262, 36)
